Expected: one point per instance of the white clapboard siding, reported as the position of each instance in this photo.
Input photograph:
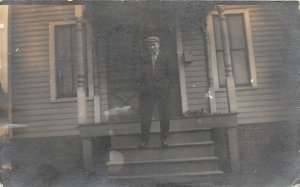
(193, 40)
(52, 111)
(102, 76)
(31, 78)
(53, 123)
(50, 133)
(264, 103)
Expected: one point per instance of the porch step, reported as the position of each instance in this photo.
(187, 136)
(164, 166)
(189, 157)
(172, 177)
(174, 151)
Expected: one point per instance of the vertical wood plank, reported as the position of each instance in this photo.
(9, 60)
(4, 48)
(211, 92)
(230, 86)
(81, 94)
(233, 149)
(102, 73)
(181, 68)
(89, 53)
(87, 150)
(231, 95)
(52, 68)
(97, 100)
(5, 118)
(250, 50)
(213, 57)
(97, 109)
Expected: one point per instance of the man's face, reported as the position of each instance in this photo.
(153, 47)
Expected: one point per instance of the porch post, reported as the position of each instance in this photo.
(5, 78)
(81, 93)
(211, 92)
(231, 95)
(181, 67)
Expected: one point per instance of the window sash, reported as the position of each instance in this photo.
(65, 62)
(216, 52)
(238, 49)
(67, 89)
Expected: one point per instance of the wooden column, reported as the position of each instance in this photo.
(231, 95)
(5, 80)
(93, 71)
(181, 68)
(81, 90)
(211, 92)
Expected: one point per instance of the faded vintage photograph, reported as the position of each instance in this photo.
(149, 93)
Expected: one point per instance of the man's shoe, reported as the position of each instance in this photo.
(164, 142)
(143, 144)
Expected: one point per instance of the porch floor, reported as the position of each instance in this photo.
(176, 124)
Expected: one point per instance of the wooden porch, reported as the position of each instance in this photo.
(191, 155)
(194, 146)
(183, 123)
(188, 154)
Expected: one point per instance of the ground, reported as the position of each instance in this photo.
(283, 175)
(269, 158)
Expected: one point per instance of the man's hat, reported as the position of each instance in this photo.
(152, 39)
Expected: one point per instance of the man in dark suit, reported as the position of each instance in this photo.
(155, 82)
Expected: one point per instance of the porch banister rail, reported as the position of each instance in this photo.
(231, 95)
(81, 93)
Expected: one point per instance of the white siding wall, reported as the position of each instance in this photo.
(255, 105)
(31, 87)
(30, 74)
(193, 40)
(264, 103)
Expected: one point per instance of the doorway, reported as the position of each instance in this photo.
(124, 44)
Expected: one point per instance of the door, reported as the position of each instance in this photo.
(124, 45)
(122, 58)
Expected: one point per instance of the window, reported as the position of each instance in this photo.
(241, 48)
(63, 61)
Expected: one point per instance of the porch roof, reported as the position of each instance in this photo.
(143, 13)
(137, 9)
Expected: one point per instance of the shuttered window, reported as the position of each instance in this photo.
(241, 49)
(63, 57)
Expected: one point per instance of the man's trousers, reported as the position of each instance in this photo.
(147, 103)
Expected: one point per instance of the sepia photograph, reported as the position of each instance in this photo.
(149, 93)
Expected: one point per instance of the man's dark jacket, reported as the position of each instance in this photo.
(161, 79)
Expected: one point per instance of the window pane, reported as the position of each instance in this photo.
(64, 61)
(238, 49)
(217, 31)
(240, 68)
(221, 69)
(236, 31)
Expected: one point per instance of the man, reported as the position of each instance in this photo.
(154, 89)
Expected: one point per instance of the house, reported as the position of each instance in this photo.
(64, 67)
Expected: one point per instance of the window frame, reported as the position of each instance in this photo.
(249, 40)
(88, 58)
